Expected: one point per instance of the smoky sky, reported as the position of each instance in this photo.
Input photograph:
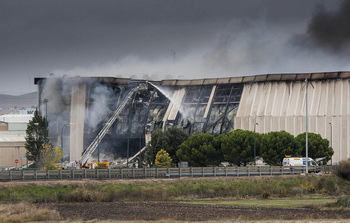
(157, 39)
(331, 29)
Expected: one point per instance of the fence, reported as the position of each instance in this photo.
(138, 173)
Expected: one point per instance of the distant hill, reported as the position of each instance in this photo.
(20, 101)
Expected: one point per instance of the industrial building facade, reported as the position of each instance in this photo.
(77, 108)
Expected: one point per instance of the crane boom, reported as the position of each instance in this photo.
(92, 147)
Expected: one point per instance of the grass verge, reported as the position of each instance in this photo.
(274, 202)
(26, 213)
(178, 190)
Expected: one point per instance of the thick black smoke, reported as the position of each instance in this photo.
(331, 29)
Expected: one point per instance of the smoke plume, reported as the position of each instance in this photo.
(331, 28)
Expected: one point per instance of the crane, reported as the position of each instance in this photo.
(92, 147)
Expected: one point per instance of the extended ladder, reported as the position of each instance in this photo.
(92, 147)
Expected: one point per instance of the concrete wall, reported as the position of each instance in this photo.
(277, 106)
(77, 116)
(10, 151)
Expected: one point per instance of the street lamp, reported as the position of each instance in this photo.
(255, 145)
(331, 142)
(306, 132)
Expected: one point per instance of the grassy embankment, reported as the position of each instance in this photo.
(293, 191)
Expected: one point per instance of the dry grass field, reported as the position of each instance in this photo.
(221, 199)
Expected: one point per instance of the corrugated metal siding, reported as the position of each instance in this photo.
(277, 106)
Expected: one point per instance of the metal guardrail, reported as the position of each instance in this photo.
(138, 173)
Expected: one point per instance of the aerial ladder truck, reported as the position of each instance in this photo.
(92, 147)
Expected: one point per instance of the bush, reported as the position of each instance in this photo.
(265, 194)
(343, 170)
(83, 195)
(342, 202)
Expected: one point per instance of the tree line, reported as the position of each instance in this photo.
(236, 147)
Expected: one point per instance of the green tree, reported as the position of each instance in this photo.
(198, 150)
(36, 137)
(157, 143)
(49, 157)
(174, 138)
(275, 145)
(169, 140)
(163, 159)
(238, 147)
(318, 148)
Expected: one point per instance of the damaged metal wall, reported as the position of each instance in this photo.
(277, 106)
(217, 105)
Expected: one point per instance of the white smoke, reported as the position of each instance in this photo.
(98, 111)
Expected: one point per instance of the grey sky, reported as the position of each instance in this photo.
(167, 39)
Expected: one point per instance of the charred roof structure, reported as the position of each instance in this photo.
(217, 105)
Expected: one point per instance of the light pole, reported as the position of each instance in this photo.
(331, 142)
(62, 135)
(306, 120)
(255, 145)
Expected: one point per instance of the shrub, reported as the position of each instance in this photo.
(343, 170)
(265, 194)
(343, 202)
(83, 195)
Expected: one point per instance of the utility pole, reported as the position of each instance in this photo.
(331, 141)
(306, 146)
(255, 145)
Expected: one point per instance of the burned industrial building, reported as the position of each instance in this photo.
(215, 106)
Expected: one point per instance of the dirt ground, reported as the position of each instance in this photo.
(158, 211)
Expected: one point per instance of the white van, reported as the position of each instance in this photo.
(298, 161)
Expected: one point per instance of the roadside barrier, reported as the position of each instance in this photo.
(138, 173)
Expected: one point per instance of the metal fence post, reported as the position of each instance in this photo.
(237, 171)
(133, 173)
(10, 175)
(22, 174)
(121, 173)
(36, 174)
(179, 172)
(168, 170)
(202, 171)
(191, 171)
(97, 173)
(214, 171)
(271, 170)
(109, 173)
(248, 171)
(259, 169)
(225, 170)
